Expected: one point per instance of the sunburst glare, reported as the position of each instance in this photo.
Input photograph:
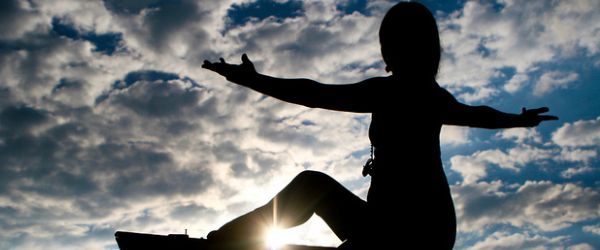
(276, 238)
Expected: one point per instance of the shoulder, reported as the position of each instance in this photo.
(375, 80)
(444, 93)
(372, 85)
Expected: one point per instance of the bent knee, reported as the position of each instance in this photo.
(310, 177)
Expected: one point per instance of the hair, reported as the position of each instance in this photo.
(410, 41)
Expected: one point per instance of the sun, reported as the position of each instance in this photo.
(276, 238)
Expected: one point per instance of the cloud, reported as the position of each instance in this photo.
(338, 50)
(570, 172)
(94, 160)
(165, 31)
(483, 39)
(132, 7)
(140, 138)
(192, 211)
(320, 10)
(243, 12)
(107, 43)
(72, 92)
(506, 241)
(582, 246)
(454, 135)
(85, 164)
(520, 135)
(157, 98)
(6, 97)
(516, 82)
(544, 205)
(577, 155)
(579, 133)
(552, 80)
(28, 68)
(594, 229)
(21, 119)
(168, 19)
(39, 60)
(470, 169)
(474, 167)
(478, 94)
(16, 18)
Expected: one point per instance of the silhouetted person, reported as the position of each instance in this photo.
(409, 202)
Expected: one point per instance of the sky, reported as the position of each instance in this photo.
(108, 122)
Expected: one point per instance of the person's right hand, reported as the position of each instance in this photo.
(532, 117)
(233, 72)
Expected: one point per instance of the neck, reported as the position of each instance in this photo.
(423, 80)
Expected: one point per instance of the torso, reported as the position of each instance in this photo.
(405, 131)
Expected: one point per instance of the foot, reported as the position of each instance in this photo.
(220, 240)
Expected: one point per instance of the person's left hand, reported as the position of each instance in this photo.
(232, 72)
(532, 117)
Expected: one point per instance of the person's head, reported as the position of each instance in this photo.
(410, 42)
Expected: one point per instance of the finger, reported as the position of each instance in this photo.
(548, 117)
(222, 60)
(206, 64)
(539, 110)
(245, 59)
(523, 110)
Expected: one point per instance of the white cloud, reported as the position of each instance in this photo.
(474, 167)
(454, 135)
(299, 47)
(506, 241)
(478, 94)
(520, 135)
(16, 19)
(579, 133)
(526, 241)
(470, 169)
(320, 11)
(479, 40)
(582, 246)
(595, 229)
(553, 80)
(516, 82)
(85, 15)
(570, 172)
(577, 155)
(545, 205)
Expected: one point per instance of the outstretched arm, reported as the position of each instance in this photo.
(487, 117)
(299, 91)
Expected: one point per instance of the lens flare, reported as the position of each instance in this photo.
(275, 238)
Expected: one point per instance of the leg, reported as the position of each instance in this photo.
(309, 192)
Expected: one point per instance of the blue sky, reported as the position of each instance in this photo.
(108, 122)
